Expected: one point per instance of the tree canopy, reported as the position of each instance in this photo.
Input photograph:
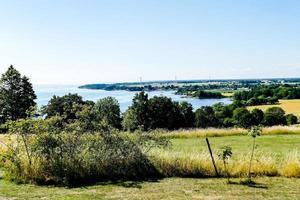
(16, 95)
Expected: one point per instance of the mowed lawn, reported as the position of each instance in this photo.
(169, 188)
(289, 106)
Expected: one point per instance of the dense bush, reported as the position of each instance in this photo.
(274, 116)
(41, 156)
(291, 119)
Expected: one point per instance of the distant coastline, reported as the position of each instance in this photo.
(201, 89)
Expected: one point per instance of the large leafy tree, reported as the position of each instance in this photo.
(187, 116)
(66, 106)
(163, 113)
(140, 108)
(205, 117)
(108, 109)
(242, 117)
(274, 116)
(16, 95)
(257, 116)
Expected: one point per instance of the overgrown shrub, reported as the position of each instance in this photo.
(291, 119)
(68, 158)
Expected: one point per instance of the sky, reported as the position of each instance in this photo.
(95, 41)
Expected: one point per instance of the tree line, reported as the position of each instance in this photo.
(270, 94)
(17, 100)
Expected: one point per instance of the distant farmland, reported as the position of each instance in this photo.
(289, 106)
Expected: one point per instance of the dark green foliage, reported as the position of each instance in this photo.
(163, 113)
(274, 116)
(66, 106)
(205, 117)
(260, 95)
(223, 113)
(291, 119)
(201, 94)
(108, 110)
(157, 112)
(242, 117)
(140, 108)
(186, 115)
(257, 116)
(16, 95)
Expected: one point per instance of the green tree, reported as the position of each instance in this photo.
(163, 113)
(140, 107)
(108, 109)
(86, 119)
(187, 116)
(223, 112)
(291, 119)
(16, 95)
(129, 121)
(274, 116)
(242, 117)
(257, 116)
(205, 117)
(66, 106)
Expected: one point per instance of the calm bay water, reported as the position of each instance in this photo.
(45, 92)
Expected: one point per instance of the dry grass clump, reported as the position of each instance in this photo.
(184, 164)
(263, 165)
(291, 165)
(180, 164)
(219, 132)
(209, 132)
(281, 130)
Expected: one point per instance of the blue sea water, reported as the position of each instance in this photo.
(45, 92)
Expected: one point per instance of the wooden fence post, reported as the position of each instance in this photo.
(212, 157)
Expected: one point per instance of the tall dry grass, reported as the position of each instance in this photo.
(219, 132)
(184, 164)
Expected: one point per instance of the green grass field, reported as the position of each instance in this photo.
(278, 146)
(169, 188)
(289, 106)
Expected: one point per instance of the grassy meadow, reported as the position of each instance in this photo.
(289, 106)
(189, 173)
(275, 155)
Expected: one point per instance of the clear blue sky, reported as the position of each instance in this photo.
(74, 42)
